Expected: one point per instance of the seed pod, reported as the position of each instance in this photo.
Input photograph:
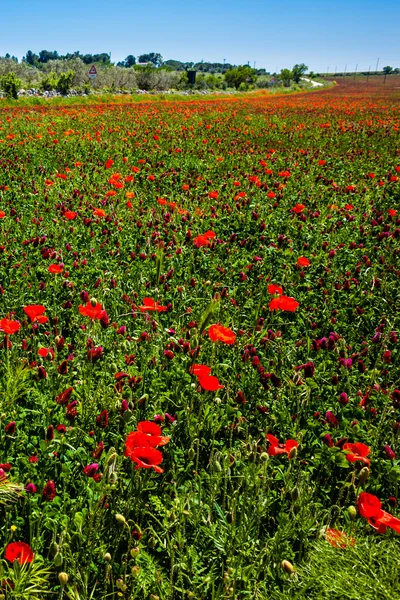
(107, 557)
(58, 560)
(134, 552)
(217, 465)
(120, 518)
(135, 570)
(287, 566)
(264, 456)
(295, 494)
(364, 474)
(63, 578)
(352, 512)
(53, 549)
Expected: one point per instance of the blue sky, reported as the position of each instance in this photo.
(273, 34)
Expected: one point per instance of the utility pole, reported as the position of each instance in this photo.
(335, 71)
(377, 63)
(368, 72)
(355, 72)
(345, 69)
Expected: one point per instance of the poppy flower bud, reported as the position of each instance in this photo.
(191, 453)
(93, 302)
(352, 511)
(293, 452)
(295, 494)
(364, 474)
(287, 566)
(120, 519)
(63, 578)
(107, 557)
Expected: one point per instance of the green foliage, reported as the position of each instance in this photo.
(240, 75)
(49, 82)
(10, 84)
(286, 76)
(64, 82)
(387, 70)
(298, 71)
(152, 57)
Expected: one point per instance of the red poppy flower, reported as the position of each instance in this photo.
(392, 212)
(147, 458)
(284, 303)
(274, 289)
(152, 305)
(161, 201)
(338, 539)
(221, 334)
(153, 432)
(2, 214)
(19, 551)
(199, 370)
(93, 312)
(43, 352)
(357, 452)
(55, 269)
(70, 215)
(99, 212)
(298, 208)
(302, 261)
(205, 238)
(277, 448)
(35, 313)
(369, 507)
(209, 383)
(9, 327)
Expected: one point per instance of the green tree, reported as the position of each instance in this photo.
(10, 84)
(298, 71)
(286, 76)
(240, 75)
(64, 82)
(49, 82)
(387, 70)
(129, 61)
(30, 58)
(153, 57)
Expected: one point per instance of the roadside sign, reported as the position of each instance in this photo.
(92, 72)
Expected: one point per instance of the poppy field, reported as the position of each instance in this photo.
(199, 347)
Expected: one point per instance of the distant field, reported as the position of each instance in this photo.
(199, 347)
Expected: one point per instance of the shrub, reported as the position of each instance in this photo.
(64, 82)
(10, 84)
(49, 82)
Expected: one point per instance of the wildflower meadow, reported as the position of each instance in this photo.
(199, 346)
